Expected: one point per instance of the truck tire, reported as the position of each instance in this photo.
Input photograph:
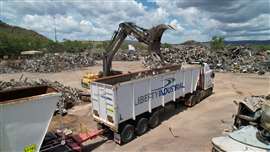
(127, 133)
(141, 126)
(154, 120)
(100, 126)
(209, 92)
(193, 99)
(190, 100)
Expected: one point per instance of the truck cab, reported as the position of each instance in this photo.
(208, 76)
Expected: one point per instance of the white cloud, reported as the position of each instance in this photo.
(84, 19)
(225, 18)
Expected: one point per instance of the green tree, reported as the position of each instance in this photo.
(166, 45)
(217, 43)
(102, 45)
(124, 46)
(3, 44)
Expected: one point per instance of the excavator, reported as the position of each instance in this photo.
(150, 37)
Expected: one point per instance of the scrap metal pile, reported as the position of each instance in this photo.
(123, 56)
(50, 63)
(119, 56)
(234, 59)
(5, 69)
(70, 96)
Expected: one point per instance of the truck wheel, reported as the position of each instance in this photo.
(193, 99)
(209, 91)
(142, 126)
(154, 120)
(127, 133)
(100, 126)
(190, 101)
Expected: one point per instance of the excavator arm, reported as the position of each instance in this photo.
(150, 37)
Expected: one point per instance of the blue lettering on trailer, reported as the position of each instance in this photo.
(169, 87)
(105, 97)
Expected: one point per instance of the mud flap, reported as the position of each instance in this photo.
(117, 138)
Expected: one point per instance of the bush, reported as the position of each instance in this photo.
(217, 43)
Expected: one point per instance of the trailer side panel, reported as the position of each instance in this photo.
(126, 107)
(135, 98)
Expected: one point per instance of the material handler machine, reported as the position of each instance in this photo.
(150, 37)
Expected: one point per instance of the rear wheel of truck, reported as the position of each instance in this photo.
(154, 120)
(142, 126)
(127, 133)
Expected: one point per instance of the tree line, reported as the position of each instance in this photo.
(14, 44)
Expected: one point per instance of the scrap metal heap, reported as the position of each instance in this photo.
(50, 63)
(233, 59)
(69, 96)
(58, 62)
(119, 56)
(123, 56)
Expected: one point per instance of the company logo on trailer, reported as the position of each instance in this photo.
(168, 88)
(169, 81)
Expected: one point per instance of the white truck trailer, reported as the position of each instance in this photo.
(129, 104)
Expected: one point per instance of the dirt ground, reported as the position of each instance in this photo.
(193, 127)
(73, 78)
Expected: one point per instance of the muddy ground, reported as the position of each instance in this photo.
(193, 127)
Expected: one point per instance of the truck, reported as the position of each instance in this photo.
(129, 104)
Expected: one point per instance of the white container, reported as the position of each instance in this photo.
(119, 98)
(25, 115)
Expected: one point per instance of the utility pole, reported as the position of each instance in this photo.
(1, 7)
(55, 37)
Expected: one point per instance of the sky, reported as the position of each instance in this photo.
(198, 20)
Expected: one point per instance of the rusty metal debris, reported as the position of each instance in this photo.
(233, 59)
(60, 62)
(4, 69)
(49, 63)
(70, 96)
(250, 110)
(123, 56)
(171, 131)
(119, 56)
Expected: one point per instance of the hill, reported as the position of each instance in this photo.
(249, 42)
(14, 39)
(257, 44)
(242, 42)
